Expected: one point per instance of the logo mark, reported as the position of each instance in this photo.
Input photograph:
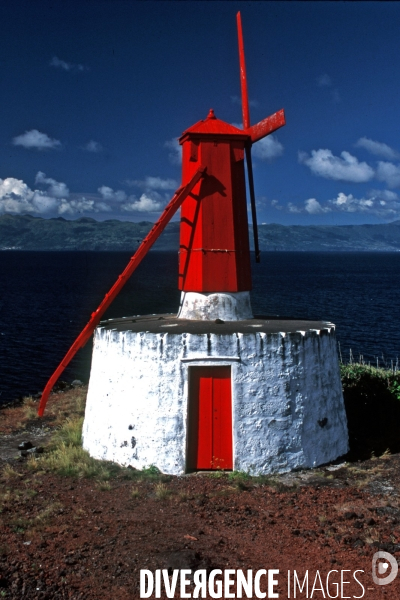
(380, 568)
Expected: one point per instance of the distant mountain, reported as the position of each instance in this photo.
(24, 232)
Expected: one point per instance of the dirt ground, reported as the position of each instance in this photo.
(67, 537)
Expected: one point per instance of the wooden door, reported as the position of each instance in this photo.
(210, 419)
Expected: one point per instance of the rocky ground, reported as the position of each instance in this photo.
(85, 538)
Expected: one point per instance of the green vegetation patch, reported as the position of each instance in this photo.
(372, 401)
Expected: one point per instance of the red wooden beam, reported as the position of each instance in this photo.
(243, 78)
(136, 259)
(266, 126)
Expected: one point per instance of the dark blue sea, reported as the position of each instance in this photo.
(46, 298)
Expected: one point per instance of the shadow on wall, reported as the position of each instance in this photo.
(372, 401)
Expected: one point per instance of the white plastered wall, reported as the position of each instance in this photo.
(287, 402)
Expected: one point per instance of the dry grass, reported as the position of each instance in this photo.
(104, 486)
(10, 473)
(135, 493)
(161, 491)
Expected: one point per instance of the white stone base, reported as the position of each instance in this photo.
(287, 403)
(228, 306)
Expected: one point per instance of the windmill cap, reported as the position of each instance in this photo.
(211, 126)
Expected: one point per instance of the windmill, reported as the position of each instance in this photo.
(213, 386)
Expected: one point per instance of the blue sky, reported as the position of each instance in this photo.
(95, 94)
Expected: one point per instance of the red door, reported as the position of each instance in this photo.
(210, 418)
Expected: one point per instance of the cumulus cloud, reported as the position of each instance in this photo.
(267, 148)
(36, 139)
(344, 168)
(93, 146)
(55, 188)
(154, 183)
(108, 193)
(66, 66)
(379, 203)
(389, 173)
(82, 205)
(175, 151)
(377, 148)
(275, 204)
(292, 208)
(313, 207)
(144, 204)
(16, 197)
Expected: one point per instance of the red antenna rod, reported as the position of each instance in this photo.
(243, 78)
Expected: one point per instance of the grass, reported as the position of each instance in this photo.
(10, 473)
(161, 491)
(372, 401)
(67, 457)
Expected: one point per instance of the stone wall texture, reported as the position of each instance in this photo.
(287, 403)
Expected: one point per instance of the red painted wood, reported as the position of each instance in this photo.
(205, 429)
(243, 78)
(222, 421)
(210, 419)
(214, 241)
(136, 259)
(267, 126)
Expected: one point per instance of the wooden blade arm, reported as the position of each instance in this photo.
(136, 259)
(243, 77)
(266, 126)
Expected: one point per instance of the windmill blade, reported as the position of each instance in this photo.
(246, 125)
(243, 78)
(267, 126)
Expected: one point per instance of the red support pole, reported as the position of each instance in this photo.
(136, 259)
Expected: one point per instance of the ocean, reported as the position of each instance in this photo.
(46, 298)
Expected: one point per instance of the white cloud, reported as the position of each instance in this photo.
(154, 183)
(381, 203)
(313, 207)
(347, 168)
(82, 205)
(377, 148)
(17, 198)
(108, 193)
(144, 204)
(36, 139)
(275, 204)
(389, 173)
(175, 151)
(292, 208)
(383, 195)
(324, 81)
(56, 188)
(93, 146)
(267, 148)
(66, 66)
